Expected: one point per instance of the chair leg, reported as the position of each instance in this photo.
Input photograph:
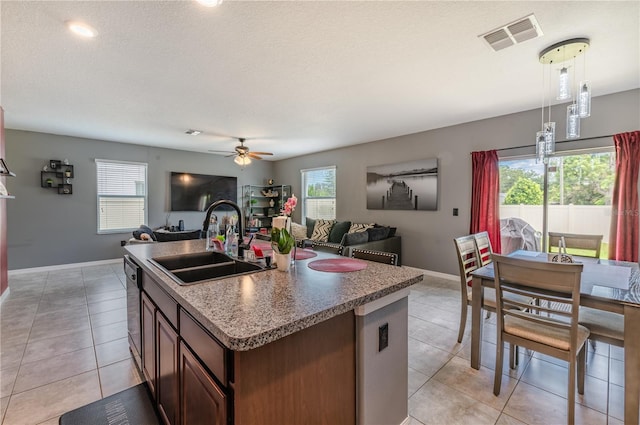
(497, 379)
(463, 321)
(512, 356)
(571, 396)
(582, 360)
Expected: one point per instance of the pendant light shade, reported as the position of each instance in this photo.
(584, 99)
(564, 88)
(573, 122)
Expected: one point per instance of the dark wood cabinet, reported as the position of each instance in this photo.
(306, 377)
(149, 342)
(203, 402)
(167, 388)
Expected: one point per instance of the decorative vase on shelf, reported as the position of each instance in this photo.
(283, 261)
(271, 203)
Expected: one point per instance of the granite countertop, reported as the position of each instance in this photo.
(249, 311)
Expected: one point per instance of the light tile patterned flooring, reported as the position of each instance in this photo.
(63, 344)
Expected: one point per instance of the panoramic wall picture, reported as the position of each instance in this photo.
(411, 185)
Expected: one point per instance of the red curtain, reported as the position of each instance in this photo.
(485, 188)
(623, 239)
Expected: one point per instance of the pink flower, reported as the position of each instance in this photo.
(290, 205)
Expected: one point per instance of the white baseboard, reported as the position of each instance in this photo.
(63, 266)
(4, 296)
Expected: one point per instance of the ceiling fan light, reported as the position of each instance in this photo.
(242, 160)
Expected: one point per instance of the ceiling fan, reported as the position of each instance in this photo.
(242, 154)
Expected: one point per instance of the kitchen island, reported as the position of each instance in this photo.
(267, 347)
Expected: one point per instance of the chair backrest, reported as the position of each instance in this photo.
(557, 283)
(468, 259)
(586, 242)
(483, 245)
(378, 256)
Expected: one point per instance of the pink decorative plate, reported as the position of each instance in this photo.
(338, 265)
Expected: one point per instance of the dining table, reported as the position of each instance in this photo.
(605, 285)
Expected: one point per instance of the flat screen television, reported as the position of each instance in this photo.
(195, 192)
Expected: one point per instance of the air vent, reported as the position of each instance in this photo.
(513, 33)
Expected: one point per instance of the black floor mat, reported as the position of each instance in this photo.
(132, 406)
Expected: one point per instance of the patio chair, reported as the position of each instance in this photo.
(575, 241)
(378, 256)
(558, 336)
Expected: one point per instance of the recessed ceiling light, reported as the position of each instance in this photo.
(210, 3)
(81, 29)
(191, 132)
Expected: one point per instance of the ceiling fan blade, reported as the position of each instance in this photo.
(232, 152)
(253, 155)
(262, 153)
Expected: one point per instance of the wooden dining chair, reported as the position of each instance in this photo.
(575, 241)
(604, 326)
(378, 256)
(468, 261)
(558, 335)
(483, 245)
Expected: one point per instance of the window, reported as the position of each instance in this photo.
(578, 187)
(319, 193)
(122, 195)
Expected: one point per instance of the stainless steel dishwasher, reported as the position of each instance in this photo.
(134, 282)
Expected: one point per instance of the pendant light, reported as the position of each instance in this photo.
(557, 55)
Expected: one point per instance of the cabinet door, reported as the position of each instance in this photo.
(167, 388)
(149, 342)
(203, 402)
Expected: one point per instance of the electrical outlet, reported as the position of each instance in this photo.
(455, 212)
(383, 337)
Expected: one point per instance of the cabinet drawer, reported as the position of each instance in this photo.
(212, 354)
(167, 305)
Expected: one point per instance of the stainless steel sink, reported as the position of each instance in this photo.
(189, 269)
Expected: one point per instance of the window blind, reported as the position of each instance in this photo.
(122, 195)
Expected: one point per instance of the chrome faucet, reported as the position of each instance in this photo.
(205, 225)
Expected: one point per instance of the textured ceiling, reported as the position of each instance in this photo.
(291, 77)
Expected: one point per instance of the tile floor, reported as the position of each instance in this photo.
(63, 344)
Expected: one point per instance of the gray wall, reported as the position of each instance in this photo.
(45, 228)
(427, 236)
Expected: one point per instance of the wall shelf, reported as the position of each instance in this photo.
(58, 175)
(257, 199)
(4, 170)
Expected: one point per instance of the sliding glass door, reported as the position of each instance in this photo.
(571, 194)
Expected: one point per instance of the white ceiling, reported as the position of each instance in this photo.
(291, 77)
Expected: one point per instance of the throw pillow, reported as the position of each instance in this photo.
(311, 223)
(298, 231)
(392, 230)
(338, 231)
(354, 238)
(143, 229)
(359, 227)
(378, 233)
(321, 230)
